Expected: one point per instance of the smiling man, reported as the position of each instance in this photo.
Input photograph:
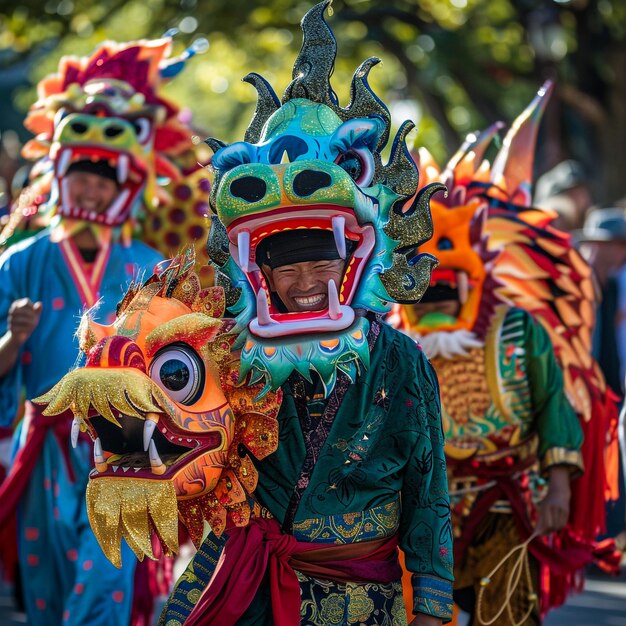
(298, 266)
(92, 185)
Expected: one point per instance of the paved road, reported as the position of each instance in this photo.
(603, 603)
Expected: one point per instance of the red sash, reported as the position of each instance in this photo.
(261, 547)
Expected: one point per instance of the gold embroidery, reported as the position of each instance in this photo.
(562, 456)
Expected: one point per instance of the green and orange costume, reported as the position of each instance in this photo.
(519, 389)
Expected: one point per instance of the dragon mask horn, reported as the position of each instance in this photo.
(316, 61)
(513, 166)
(267, 103)
(469, 156)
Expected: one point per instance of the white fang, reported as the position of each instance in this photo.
(339, 232)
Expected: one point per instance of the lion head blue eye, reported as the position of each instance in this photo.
(444, 244)
(352, 164)
(179, 371)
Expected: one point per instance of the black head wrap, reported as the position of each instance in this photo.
(100, 168)
(298, 246)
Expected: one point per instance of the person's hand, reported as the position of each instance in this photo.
(23, 318)
(554, 509)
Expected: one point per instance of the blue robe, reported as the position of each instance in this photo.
(66, 577)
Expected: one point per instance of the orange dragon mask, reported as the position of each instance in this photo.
(171, 429)
(487, 205)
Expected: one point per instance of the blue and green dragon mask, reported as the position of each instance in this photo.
(308, 163)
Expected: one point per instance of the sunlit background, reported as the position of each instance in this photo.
(451, 65)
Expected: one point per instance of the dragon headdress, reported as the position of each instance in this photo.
(109, 107)
(494, 249)
(308, 163)
(171, 428)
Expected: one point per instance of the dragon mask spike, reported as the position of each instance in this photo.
(267, 104)
(214, 144)
(218, 250)
(89, 332)
(408, 280)
(475, 143)
(401, 172)
(217, 245)
(364, 102)
(316, 61)
(513, 166)
(413, 227)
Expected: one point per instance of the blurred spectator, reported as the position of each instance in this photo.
(603, 243)
(564, 189)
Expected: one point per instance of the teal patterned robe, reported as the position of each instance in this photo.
(372, 465)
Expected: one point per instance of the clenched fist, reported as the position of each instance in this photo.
(23, 318)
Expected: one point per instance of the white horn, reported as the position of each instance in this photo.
(339, 232)
(243, 245)
(148, 431)
(64, 162)
(98, 456)
(462, 285)
(158, 467)
(122, 168)
(116, 208)
(334, 307)
(263, 308)
(75, 431)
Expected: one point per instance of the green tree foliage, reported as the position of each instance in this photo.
(453, 65)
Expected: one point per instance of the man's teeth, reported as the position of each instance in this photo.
(309, 300)
(339, 232)
(122, 168)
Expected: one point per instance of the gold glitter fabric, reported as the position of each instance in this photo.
(104, 391)
(130, 509)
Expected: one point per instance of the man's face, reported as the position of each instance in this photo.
(91, 192)
(303, 286)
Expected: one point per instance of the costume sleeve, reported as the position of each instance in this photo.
(11, 383)
(560, 433)
(425, 527)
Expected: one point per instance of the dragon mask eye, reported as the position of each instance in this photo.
(179, 371)
(143, 128)
(352, 164)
